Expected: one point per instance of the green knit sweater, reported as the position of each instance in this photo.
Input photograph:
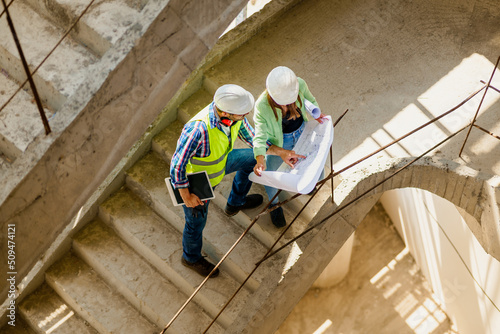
(266, 125)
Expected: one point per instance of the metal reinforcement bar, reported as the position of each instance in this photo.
(488, 132)
(267, 209)
(50, 53)
(3, 11)
(27, 70)
(479, 107)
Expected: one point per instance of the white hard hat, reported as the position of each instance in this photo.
(282, 85)
(234, 99)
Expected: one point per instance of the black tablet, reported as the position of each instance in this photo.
(199, 184)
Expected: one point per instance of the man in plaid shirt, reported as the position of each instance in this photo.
(206, 144)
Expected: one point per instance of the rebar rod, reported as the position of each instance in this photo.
(27, 70)
(491, 86)
(488, 132)
(479, 107)
(3, 11)
(50, 53)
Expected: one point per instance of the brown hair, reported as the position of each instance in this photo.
(292, 107)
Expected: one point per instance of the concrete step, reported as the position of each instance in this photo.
(165, 142)
(65, 69)
(101, 306)
(194, 104)
(252, 77)
(139, 282)
(20, 328)
(20, 121)
(161, 244)
(146, 178)
(102, 25)
(46, 312)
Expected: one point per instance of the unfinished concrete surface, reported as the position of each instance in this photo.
(395, 65)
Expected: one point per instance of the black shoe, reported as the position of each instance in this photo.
(252, 201)
(202, 267)
(278, 218)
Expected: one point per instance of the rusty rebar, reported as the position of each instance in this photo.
(3, 11)
(479, 107)
(27, 70)
(491, 86)
(488, 132)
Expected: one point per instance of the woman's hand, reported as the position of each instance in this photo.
(260, 166)
(321, 118)
(190, 199)
(290, 157)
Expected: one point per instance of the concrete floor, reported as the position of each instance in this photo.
(384, 291)
(395, 64)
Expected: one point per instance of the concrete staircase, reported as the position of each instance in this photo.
(124, 275)
(40, 25)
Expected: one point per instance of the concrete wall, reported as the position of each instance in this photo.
(463, 276)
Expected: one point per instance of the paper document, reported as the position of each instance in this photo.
(312, 109)
(314, 143)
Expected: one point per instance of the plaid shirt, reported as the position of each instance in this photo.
(193, 142)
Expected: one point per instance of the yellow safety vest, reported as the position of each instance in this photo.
(215, 163)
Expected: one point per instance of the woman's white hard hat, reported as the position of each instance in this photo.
(234, 99)
(282, 85)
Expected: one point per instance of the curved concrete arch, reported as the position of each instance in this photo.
(475, 193)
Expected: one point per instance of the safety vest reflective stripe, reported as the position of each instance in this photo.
(195, 161)
(215, 175)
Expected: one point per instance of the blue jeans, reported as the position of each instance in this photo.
(273, 162)
(240, 161)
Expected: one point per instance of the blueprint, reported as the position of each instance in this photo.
(314, 143)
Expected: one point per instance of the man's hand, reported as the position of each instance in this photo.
(190, 199)
(260, 166)
(290, 157)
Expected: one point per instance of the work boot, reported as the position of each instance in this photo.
(278, 218)
(202, 267)
(252, 201)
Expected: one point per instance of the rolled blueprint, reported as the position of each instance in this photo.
(312, 109)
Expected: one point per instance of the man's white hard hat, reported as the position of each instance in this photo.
(282, 85)
(234, 99)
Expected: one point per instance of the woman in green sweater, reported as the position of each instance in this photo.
(280, 115)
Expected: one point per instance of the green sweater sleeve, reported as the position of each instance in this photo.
(304, 89)
(260, 139)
